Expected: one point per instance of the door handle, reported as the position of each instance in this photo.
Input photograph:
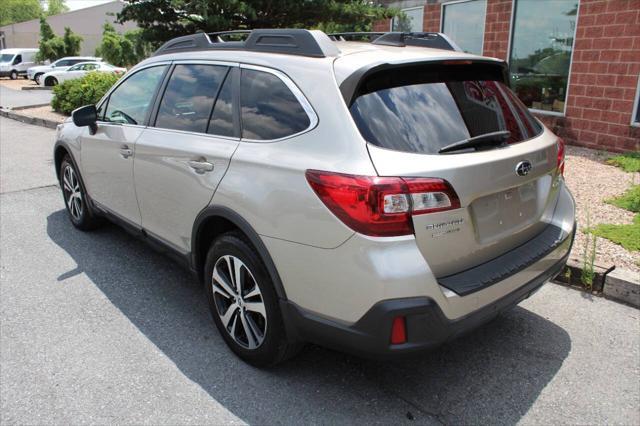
(201, 166)
(126, 152)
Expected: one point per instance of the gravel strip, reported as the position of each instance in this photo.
(17, 84)
(591, 181)
(43, 112)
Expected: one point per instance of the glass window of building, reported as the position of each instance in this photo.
(463, 21)
(541, 47)
(635, 117)
(411, 22)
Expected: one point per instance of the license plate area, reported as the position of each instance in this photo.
(506, 211)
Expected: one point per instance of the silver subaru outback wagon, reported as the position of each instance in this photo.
(377, 193)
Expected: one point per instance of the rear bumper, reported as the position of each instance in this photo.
(427, 325)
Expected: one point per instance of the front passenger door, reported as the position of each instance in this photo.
(107, 156)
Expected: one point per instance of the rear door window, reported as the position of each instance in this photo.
(424, 108)
(269, 110)
(223, 120)
(189, 97)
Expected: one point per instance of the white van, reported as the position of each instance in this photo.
(14, 62)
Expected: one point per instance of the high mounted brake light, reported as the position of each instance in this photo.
(381, 206)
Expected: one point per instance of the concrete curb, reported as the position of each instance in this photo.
(616, 284)
(43, 122)
(623, 286)
(18, 108)
(37, 88)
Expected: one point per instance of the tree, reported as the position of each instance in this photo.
(122, 49)
(72, 42)
(161, 20)
(13, 11)
(53, 47)
(55, 7)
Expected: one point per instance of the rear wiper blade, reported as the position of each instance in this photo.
(493, 138)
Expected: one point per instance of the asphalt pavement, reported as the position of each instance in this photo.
(10, 98)
(98, 328)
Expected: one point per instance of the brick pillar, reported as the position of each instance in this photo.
(431, 22)
(496, 29)
(382, 26)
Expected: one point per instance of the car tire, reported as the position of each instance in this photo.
(51, 81)
(75, 197)
(249, 320)
(36, 78)
(13, 75)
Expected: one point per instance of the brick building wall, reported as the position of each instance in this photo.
(604, 77)
(604, 71)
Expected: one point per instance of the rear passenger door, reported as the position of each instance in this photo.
(184, 153)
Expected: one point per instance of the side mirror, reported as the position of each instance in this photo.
(86, 116)
(53, 65)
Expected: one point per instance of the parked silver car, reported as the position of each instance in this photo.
(377, 197)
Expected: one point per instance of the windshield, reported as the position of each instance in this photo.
(6, 57)
(422, 109)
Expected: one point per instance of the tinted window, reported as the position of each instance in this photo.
(269, 109)
(189, 97)
(222, 118)
(464, 23)
(62, 63)
(424, 109)
(541, 50)
(17, 60)
(130, 101)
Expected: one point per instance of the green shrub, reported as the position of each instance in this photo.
(628, 236)
(72, 94)
(630, 200)
(629, 162)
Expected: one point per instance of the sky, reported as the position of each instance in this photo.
(81, 4)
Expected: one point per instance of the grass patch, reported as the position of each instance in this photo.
(630, 200)
(629, 162)
(628, 236)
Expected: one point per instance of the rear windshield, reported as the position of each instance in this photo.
(424, 108)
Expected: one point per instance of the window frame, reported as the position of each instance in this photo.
(636, 106)
(484, 29)
(105, 99)
(297, 93)
(404, 10)
(512, 22)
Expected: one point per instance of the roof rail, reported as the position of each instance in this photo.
(355, 36)
(401, 39)
(300, 42)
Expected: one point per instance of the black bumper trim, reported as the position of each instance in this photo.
(502, 267)
(427, 326)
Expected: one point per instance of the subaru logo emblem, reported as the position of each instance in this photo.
(523, 168)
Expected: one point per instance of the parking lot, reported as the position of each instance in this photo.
(99, 328)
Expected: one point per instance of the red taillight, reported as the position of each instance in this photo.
(381, 206)
(398, 331)
(560, 163)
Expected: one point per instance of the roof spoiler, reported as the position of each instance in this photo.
(400, 39)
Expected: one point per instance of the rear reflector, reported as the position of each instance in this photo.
(398, 331)
(381, 206)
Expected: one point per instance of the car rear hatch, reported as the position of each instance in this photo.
(459, 121)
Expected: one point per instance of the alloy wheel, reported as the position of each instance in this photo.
(72, 192)
(239, 302)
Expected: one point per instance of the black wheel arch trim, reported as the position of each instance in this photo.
(244, 226)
